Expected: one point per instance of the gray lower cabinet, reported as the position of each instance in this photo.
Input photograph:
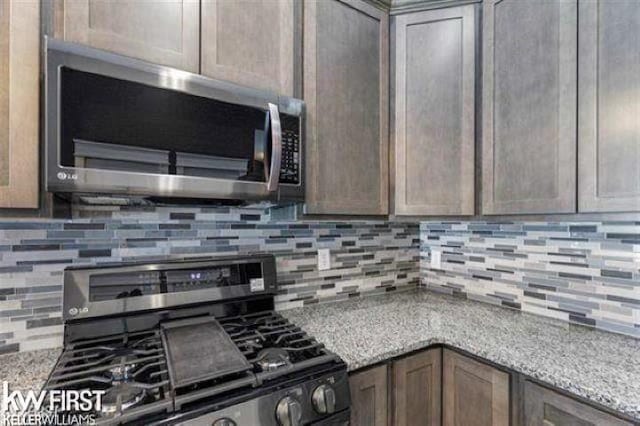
(345, 87)
(417, 389)
(164, 32)
(434, 109)
(441, 386)
(473, 393)
(609, 106)
(256, 43)
(529, 106)
(369, 397)
(549, 408)
(411, 397)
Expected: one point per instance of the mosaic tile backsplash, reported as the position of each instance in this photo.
(367, 257)
(584, 273)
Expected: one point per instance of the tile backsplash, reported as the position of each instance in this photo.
(367, 257)
(586, 273)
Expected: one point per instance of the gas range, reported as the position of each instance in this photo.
(194, 342)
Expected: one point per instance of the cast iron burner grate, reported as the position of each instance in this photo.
(273, 345)
(130, 368)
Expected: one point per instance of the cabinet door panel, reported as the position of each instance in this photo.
(546, 407)
(529, 106)
(474, 393)
(369, 397)
(163, 32)
(346, 85)
(19, 103)
(417, 389)
(252, 42)
(434, 112)
(609, 109)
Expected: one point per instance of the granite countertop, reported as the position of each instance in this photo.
(602, 367)
(28, 370)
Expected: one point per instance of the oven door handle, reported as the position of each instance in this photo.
(276, 148)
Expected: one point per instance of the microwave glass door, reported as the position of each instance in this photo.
(120, 125)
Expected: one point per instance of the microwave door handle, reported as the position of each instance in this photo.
(276, 148)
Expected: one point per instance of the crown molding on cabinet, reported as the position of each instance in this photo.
(397, 7)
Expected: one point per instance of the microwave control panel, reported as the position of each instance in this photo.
(290, 166)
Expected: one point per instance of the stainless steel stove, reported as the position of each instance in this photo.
(194, 342)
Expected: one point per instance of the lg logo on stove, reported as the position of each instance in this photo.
(67, 176)
(75, 311)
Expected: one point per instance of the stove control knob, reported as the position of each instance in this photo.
(324, 399)
(224, 422)
(289, 412)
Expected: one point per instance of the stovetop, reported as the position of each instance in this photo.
(192, 341)
(133, 368)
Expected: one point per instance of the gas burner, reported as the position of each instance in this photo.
(121, 372)
(121, 397)
(272, 358)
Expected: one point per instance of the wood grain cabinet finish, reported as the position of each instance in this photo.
(253, 42)
(166, 32)
(369, 397)
(345, 86)
(549, 408)
(19, 102)
(529, 106)
(473, 393)
(609, 106)
(434, 109)
(417, 389)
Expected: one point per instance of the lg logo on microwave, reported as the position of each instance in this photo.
(75, 311)
(67, 176)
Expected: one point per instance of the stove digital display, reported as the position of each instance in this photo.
(180, 280)
(113, 286)
(121, 285)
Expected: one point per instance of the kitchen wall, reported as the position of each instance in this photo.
(368, 257)
(585, 273)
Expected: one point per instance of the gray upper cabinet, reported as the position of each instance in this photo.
(345, 85)
(19, 103)
(529, 106)
(253, 42)
(433, 126)
(163, 32)
(609, 108)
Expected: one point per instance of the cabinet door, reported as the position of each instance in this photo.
(417, 389)
(529, 106)
(549, 408)
(369, 397)
(609, 109)
(252, 42)
(474, 393)
(19, 102)
(434, 112)
(163, 32)
(346, 85)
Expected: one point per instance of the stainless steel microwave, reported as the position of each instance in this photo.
(116, 125)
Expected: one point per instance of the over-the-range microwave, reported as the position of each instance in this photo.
(116, 125)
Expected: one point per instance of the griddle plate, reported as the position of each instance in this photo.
(199, 349)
